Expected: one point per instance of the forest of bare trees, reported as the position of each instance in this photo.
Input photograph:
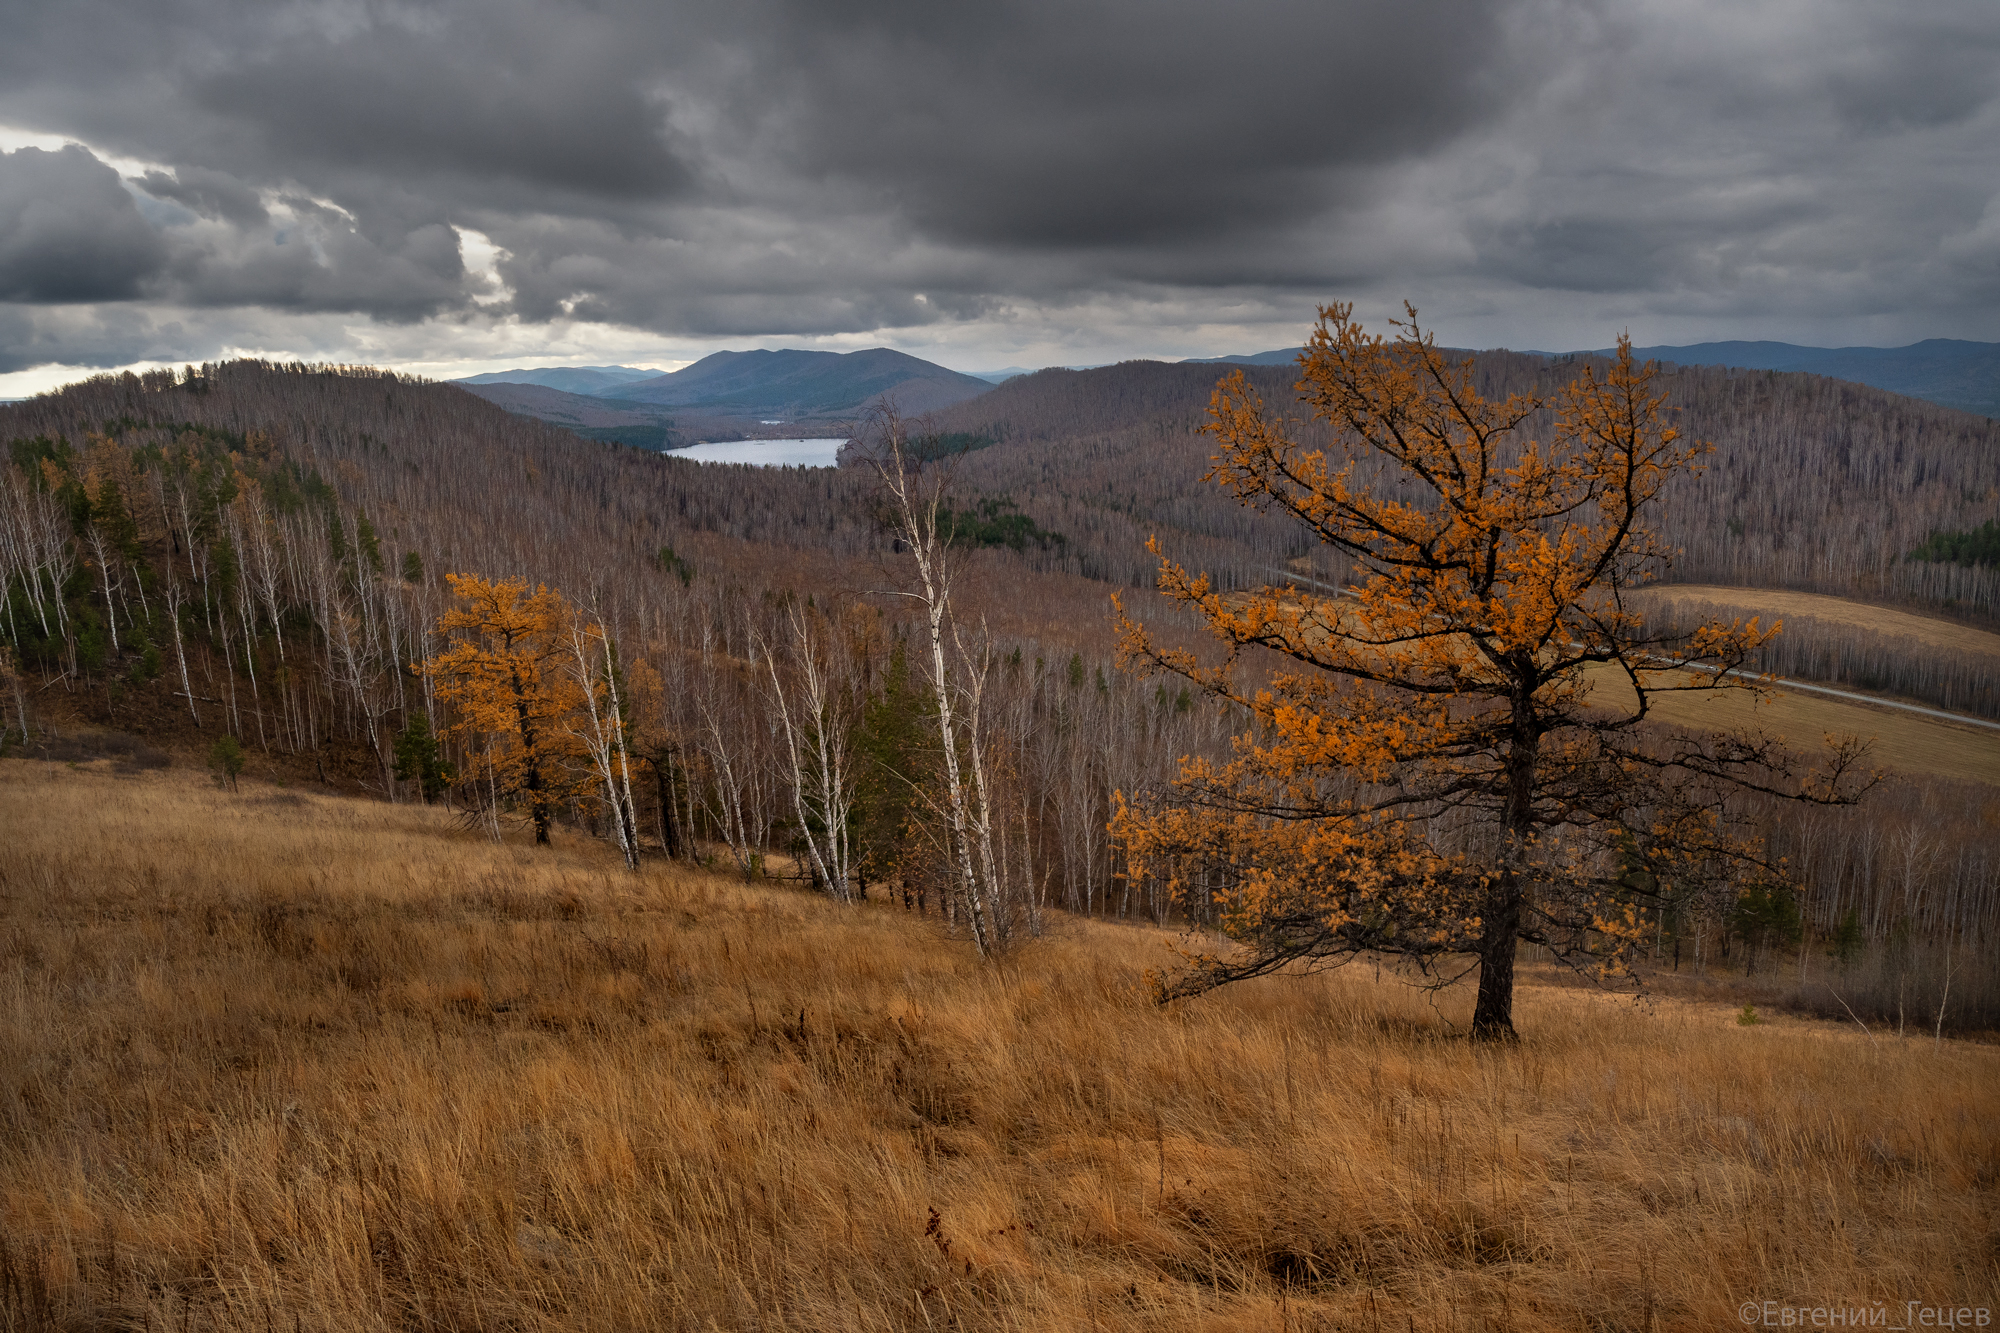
(258, 551)
(1815, 484)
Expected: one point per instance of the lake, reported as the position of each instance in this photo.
(764, 453)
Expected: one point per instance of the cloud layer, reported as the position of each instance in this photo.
(991, 181)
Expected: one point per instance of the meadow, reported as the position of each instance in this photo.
(272, 1059)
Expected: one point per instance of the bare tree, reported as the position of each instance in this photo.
(812, 690)
(914, 487)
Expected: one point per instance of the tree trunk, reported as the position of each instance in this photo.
(1493, 1015)
(538, 804)
(1500, 916)
(669, 834)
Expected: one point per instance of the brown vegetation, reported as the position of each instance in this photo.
(1903, 741)
(1845, 642)
(1815, 484)
(259, 549)
(293, 1061)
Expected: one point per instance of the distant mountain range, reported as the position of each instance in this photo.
(595, 381)
(786, 385)
(640, 406)
(1279, 357)
(1945, 371)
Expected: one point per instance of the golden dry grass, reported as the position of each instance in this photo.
(1774, 603)
(282, 1061)
(1904, 741)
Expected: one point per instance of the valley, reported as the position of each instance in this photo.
(307, 1026)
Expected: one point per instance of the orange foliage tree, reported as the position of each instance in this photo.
(512, 701)
(1454, 754)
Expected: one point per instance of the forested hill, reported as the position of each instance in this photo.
(1948, 371)
(253, 553)
(793, 383)
(1816, 484)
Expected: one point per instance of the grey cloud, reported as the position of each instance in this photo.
(92, 336)
(210, 194)
(69, 231)
(730, 168)
(1922, 70)
(1038, 124)
(315, 259)
(539, 101)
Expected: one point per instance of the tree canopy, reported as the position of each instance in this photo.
(502, 673)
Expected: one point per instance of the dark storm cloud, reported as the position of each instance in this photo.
(577, 135)
(1057, 125)
(772, 167)
(97, 338)
(528, 103)
(68, 230)
(209, 194)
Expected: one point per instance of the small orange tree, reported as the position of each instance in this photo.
(510, 698)
(1433, 774)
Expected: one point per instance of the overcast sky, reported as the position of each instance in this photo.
(456, 187)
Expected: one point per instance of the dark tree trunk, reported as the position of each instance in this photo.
(670, 837)
(1500, 917)
(1493, 1015)
(538, 801)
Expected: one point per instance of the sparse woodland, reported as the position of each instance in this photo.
(260, 552)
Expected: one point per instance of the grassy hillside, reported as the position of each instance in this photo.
(355, 492)
(277, 1060)
(1858, 644)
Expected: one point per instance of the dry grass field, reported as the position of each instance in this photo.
(1904, 741)
(1777, 603)
(274, 1061)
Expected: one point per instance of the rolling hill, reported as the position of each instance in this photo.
(1946, 371)
(641, 425)
(600, 380)
(792, 383)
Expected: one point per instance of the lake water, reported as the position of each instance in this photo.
(765, 453)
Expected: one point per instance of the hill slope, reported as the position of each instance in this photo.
(1946, 371)
(641, 425)
(1816, 484)
(793, 383)
(381, 1071)
(604, 380)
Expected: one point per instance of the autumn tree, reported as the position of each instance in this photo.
(1454, 754)
(503, 674)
